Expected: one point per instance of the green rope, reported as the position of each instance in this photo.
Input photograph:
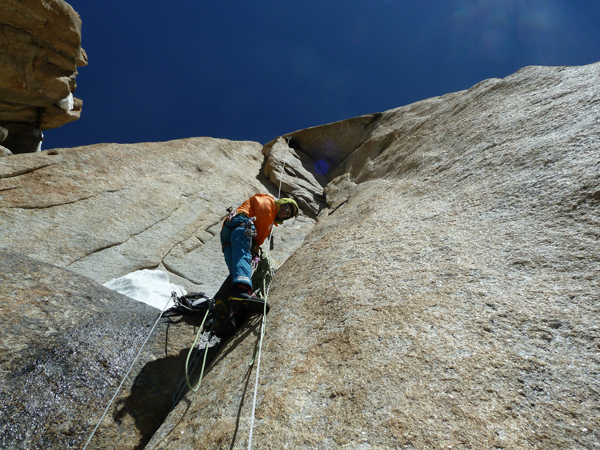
(266, 274)
(187, 361)
(262, 276)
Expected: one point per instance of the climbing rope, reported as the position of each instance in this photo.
(258, 353)
(266, 287)
(126, 375)
(282, 174)
(262, 276)
(187, 361)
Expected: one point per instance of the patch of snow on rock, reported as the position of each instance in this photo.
(147, 286)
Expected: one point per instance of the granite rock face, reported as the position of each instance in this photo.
(77, 218)
(107, 210)
(41, 50)
(66, 345)
(447, 298)
(293, 170)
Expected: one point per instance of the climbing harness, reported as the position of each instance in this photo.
(247, 224)
(232, 213)
(250, 228)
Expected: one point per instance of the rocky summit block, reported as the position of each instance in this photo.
(448, 297)
(41, 50)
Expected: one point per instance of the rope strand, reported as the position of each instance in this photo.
(187, 361)
(126, 375)
(258, 353)
(263, 323)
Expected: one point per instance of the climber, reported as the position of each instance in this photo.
(244, 231)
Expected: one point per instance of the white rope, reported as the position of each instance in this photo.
(282, 174)
(125, 377)
(262, 332)
(263, 327)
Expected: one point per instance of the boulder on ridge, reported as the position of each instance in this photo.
(41, 50)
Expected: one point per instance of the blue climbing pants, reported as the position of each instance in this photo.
(237, 249)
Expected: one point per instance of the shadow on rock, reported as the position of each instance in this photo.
(216, 354)
(161, 384)
(152, 394)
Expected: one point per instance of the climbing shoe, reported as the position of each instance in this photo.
(221, 319)
(242, 297)
(254, 305)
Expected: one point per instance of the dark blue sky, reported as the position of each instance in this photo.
(253, 70)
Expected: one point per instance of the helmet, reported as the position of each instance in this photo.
(287, 201)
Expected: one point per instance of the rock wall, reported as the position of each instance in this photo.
(447, 298)
(107, 210)
(72, 219)
(67, 344)
(41, 50)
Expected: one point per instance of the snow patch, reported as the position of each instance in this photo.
(147, 286)
(66, 103)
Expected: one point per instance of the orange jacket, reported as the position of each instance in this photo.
(261, 206)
